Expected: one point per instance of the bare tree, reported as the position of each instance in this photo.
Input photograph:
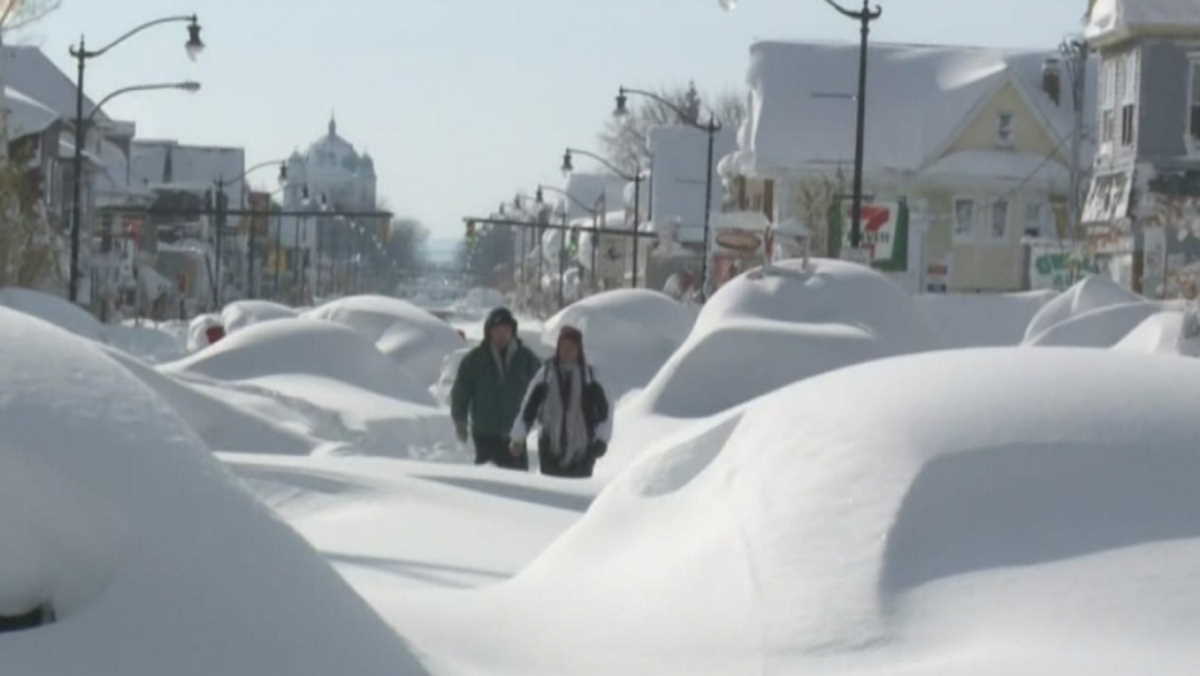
(27, 248)
(626, 140)
(813, 200)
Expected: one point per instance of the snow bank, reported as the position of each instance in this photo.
(307, 347)
(762, 331)
(58, 311)
(628, 334)
(240, 314)
(153, 559)
(414, 338)
(900, 516)
(1162, 333)
(145, 342)
(980, 320)
(1091, 293)
(197, 337)
(1101, 327)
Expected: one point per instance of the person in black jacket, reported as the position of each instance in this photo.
(569, 405)
(487, 391)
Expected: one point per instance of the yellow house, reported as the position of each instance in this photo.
(963, 139)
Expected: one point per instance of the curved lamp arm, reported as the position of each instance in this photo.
(611, 167)
(858, 16)
(193, 43)
(712, 125)
(591, 210)
(188, 86)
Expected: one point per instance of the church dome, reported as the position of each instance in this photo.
(332, 150)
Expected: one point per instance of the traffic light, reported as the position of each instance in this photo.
(472, 237)
(573, 247)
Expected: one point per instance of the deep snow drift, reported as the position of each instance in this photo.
(155, 561)
(901, 516)
(628, 334)
(769, 328)
(411, 336)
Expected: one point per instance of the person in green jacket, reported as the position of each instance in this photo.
(488, 389)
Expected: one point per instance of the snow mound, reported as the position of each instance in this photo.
(240, 314)
(58, 311)
(1162, 333)
(197, 338)
(153, 559)
(959, 525)
(981, 320)
(628, 334)
(1091, 293)
(147, 343)
(414, 338)
(308, 347)
(1101, 327)
(764, 330)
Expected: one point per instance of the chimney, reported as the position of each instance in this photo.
(1052, 79)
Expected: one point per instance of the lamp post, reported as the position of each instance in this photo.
(864, 17)
(188, 86)
(81, 54)
(567, 167)
(711, 129)
(220, 227)
(562, 241)
(1075, 54)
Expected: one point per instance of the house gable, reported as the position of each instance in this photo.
(1006, 109)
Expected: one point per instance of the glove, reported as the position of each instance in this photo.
(460, 431)
(517, 448)
(598, 448)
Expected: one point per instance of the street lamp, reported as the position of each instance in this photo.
(711, 129)
(636, 177)
(81, 54)
(864, 17)
(1075, 54)
(220, 225)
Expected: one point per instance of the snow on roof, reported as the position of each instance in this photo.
(27, 115)
(194, 167)
(1114, 20)
(918, 97)
(680, 153)
(30, 71)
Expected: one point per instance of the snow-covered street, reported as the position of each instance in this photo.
(815, 474)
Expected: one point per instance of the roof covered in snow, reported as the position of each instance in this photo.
(918, 99)
(1109, 21)
(26, 115)
(170, 163)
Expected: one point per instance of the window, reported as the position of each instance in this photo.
(964, 218)
(1127, 124)
(1033, 219)
(1194, 100)
(1000, 219)
(1006, 137)
(1108, 100)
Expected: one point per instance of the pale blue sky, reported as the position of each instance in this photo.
(462, 102)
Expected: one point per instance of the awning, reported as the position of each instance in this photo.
(1108, 198)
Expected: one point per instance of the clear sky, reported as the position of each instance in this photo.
(463, 102)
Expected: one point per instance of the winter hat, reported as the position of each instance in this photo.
(575, 336)
(500, 315)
